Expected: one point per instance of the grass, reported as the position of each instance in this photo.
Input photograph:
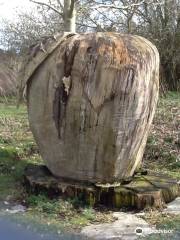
(163, 221)
(162, 154)
(162, 150)
(17, 149)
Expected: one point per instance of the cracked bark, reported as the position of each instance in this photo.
(102, 92)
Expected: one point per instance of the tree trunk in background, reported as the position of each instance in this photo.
(69, 16)
(91, 103)
(8, 74)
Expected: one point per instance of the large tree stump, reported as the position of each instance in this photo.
(150, 190)
(91, 102)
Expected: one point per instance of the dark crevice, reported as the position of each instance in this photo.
(62, 92)
(57, 108)
(69, 58)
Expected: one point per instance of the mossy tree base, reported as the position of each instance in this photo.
(149, 190)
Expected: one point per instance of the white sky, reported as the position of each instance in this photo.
(8, 7)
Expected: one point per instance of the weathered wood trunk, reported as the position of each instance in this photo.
(91, 103)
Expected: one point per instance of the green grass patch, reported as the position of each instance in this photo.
(61, 210)
(167, 223)
(162, 149)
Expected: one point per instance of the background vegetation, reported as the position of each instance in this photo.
(157, 20)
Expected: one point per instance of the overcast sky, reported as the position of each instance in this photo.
(8, 8)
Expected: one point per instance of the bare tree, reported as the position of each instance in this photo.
(157, 20)
(67, 11)
(161, 24)
(68, 8)
(26, 30)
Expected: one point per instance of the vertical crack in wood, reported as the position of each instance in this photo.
(62, 92)
(56, 108)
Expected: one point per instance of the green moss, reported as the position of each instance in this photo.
(92, 199)
(124, 198)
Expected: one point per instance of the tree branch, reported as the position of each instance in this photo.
(47, 5)
(60, 4)
(113, 6)
(118, 7)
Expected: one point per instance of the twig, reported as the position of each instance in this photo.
(47, 5)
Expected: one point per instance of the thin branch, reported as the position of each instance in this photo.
(47, 5)
(104, 15)
(118, 7)
(85, 25)
(143, 16)
(93, 21)
(114, 6)
(60, 4)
